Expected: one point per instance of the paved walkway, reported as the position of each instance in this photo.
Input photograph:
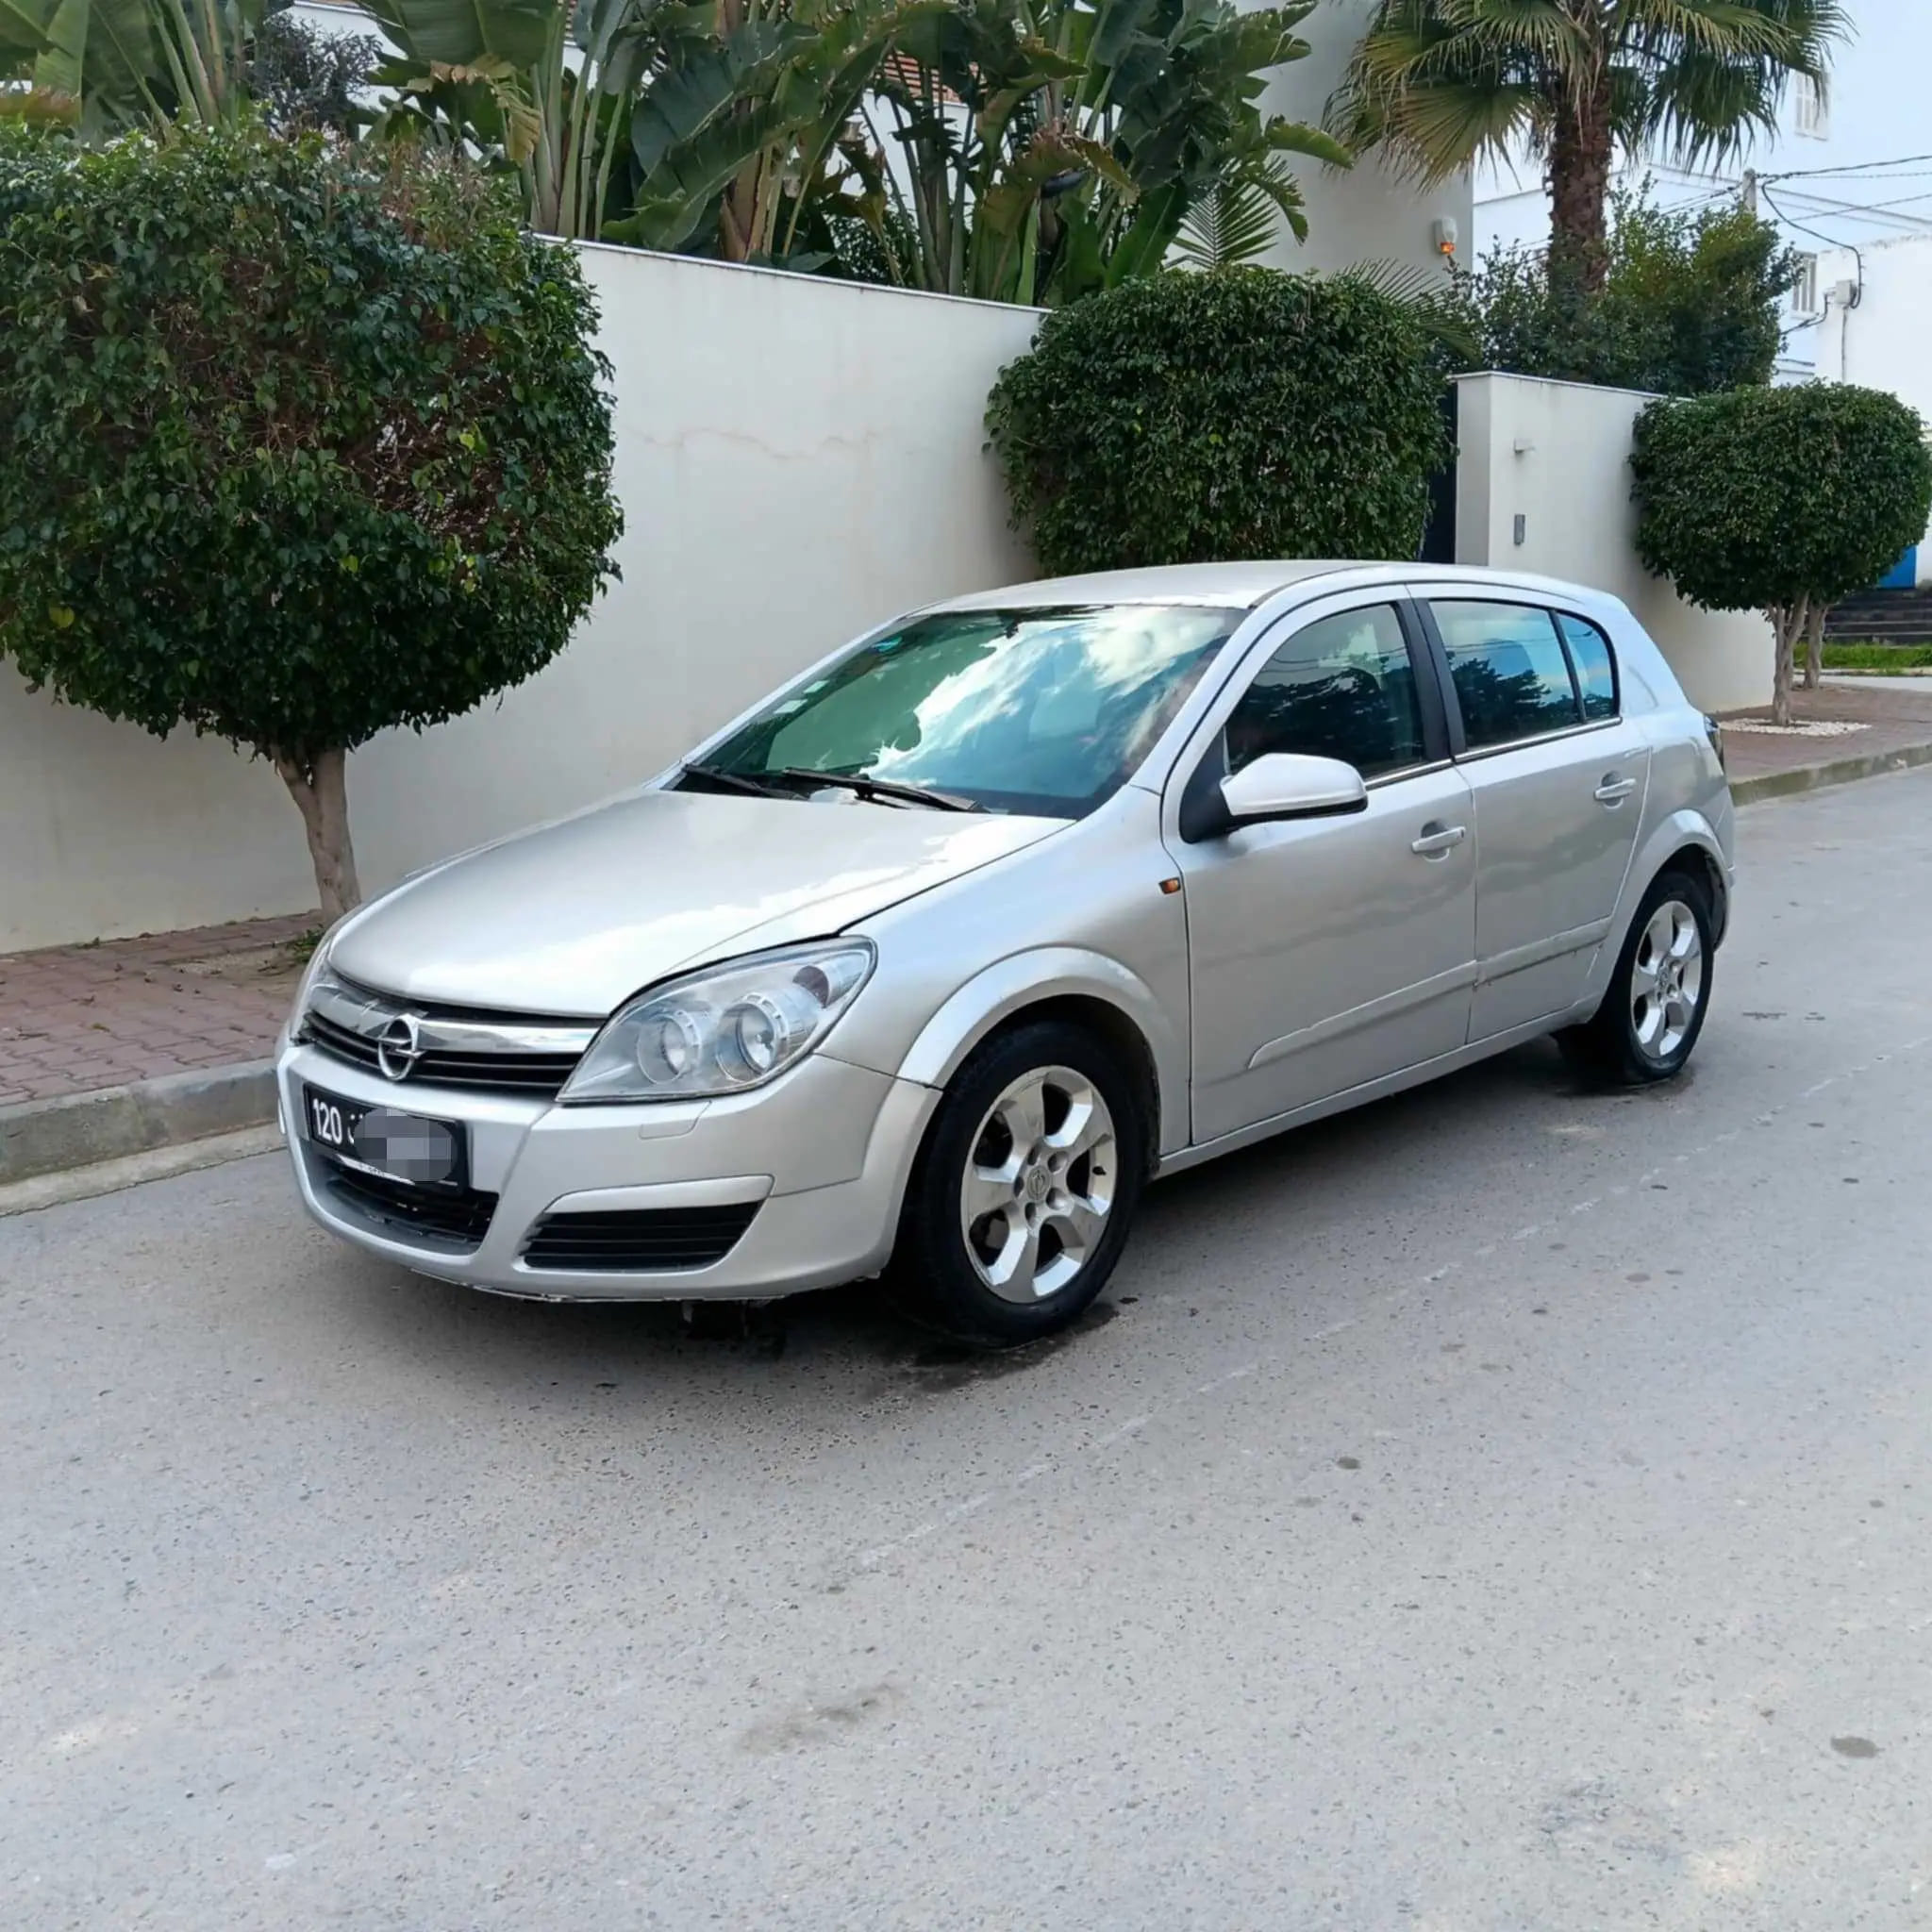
(76, 1018)
(1892, 714)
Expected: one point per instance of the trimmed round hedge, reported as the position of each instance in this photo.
(1244, 413)
(303, 441)
(1763, 498)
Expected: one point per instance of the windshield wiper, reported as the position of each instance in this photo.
(733, 781)
(877, 788)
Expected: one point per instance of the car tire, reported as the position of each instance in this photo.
(1660, 991)
(1021, 1199)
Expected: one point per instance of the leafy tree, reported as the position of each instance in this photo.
(1780, 500)
(1439, 84)
(305, 76)
(299, 448)
(1055, 147)
(1242, 413)
(1689, 305)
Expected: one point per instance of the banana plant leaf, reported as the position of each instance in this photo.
(461, 33)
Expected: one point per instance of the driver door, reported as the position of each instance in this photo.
(1325, 953)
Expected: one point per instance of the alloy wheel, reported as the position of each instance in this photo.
(1666, 981)
(1039, 1184)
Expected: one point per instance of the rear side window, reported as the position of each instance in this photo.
(1342, 688)
(1511, 677)
(1597, 670)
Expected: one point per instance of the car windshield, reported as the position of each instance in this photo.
(1046, 711)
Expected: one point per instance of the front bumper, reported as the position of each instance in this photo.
(824, 1152)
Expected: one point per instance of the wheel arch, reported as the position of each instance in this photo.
(1683, 841)
(1084, 989)
(1701, 862)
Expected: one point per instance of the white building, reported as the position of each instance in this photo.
(1875, 299)
(1852, 169)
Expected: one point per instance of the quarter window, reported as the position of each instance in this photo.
(1342, 688)
(1597, 670)
(1511, 677)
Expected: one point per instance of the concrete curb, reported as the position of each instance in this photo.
(1871, 764)
(81, 1129)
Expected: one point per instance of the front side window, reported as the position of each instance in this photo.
(1342, 688)
(1597, 670)
(1511, 677)
(1045, 711)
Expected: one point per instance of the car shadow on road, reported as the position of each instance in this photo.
(852, 1339)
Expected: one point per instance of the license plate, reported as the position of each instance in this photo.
(404, 1146)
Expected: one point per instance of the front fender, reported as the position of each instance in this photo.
(1047, 973)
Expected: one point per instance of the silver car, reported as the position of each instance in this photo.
(927, 964)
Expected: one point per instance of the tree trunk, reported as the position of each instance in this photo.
(1582, 150)
(1787, 622)
(317, 782)
(1814, 644)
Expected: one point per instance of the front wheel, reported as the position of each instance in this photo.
(1021, 1199)
(1660, 991)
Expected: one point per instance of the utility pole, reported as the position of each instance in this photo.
(1750, 189)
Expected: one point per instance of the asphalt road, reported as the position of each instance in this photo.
(1505, 1508)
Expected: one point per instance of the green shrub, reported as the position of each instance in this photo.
(1689, 306)
(1244, 413)
(1779, 500)
(300, 441)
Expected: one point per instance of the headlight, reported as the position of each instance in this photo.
(311, 975)
(723, 1028)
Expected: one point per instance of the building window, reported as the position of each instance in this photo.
(1804, 290)
(1810, 113)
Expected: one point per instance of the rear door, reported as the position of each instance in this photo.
(1558, 779)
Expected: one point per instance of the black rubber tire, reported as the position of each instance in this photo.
(1604, 1049)
(932, 1275)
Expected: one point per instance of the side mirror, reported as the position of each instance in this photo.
(1290, 785)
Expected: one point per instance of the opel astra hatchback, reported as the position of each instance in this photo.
(927, 964)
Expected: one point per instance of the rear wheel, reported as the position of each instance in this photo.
(1660, 991)
(1019, 1202)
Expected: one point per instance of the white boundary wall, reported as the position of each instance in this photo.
(797, 460)
(1557, 455)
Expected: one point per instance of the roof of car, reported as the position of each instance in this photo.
(1237, 586)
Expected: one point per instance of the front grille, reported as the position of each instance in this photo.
(642, 1240)
(453, 1218)
(484, 1053)
(339, 1043)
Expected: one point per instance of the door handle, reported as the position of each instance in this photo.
(1438, 838)
(1614, 790)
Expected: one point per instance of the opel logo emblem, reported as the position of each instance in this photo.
(398, 1047)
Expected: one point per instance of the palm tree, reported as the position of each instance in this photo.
(1439, 84)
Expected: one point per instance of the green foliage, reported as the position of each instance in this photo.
(1689, 306)
(305, 76)
(1244, 413)
(1878, 659)
(1773, 499)
(299, 447)
(1091, 129)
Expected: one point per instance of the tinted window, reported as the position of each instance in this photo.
(1597, 670)
(1511, 677)
(1045, 711)
(1341, 689)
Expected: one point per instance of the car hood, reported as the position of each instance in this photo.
(572, 918)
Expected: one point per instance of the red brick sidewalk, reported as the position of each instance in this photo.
(76, 1018)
